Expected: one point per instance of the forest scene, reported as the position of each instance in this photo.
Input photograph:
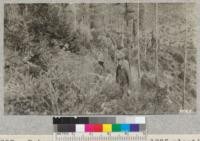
(106, 58)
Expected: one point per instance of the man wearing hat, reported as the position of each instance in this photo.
(123, 74)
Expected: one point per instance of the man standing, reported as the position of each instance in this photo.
(123, 74)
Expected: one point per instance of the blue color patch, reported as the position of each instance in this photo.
(135, 128)
(125, 127)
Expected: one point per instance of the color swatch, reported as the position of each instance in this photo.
(84, 124)
(100, 120)
(107, 127)
(116, 128)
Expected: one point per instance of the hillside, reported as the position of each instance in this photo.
(51, 58)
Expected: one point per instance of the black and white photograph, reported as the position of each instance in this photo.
(99, 58)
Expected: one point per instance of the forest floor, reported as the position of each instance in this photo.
(76, 84)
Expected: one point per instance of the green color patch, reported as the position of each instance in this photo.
(116, 128)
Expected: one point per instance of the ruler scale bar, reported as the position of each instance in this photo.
(99, 137)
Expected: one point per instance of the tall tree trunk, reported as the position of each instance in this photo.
(126, 20)
(185, 61)
(145, 48)
(156, 51)
(118, 24)
(156, 61)
(126, 14)
(185, 74)
(134, 29)
(92, 15)
(141, 16)
(138, 45)
(75, 17)
(110, 15)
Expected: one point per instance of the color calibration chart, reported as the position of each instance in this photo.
(127, 128)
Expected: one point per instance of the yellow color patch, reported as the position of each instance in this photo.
(107, 127)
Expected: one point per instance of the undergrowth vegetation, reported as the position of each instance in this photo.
(51, 59)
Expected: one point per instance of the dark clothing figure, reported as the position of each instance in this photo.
(101, 60)
(122, 77)
(123, 73)
(101, 64)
